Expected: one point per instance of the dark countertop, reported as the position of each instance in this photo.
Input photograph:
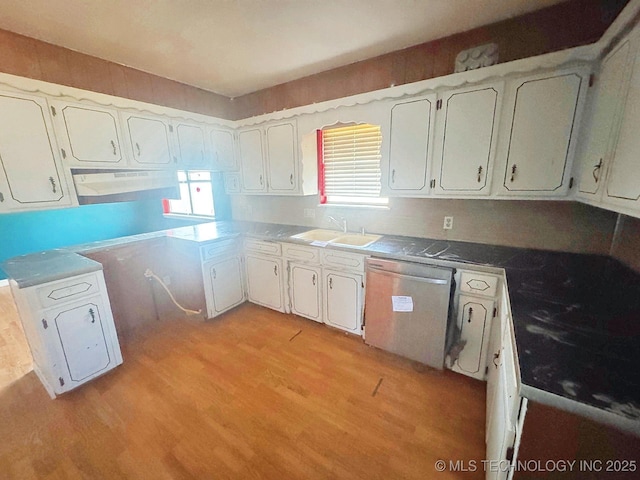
(576, 317)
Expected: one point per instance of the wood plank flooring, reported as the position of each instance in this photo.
(253, 394)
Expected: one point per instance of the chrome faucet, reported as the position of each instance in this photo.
(342, 225)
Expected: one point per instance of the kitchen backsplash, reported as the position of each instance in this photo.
(626, 244)
(563, 226)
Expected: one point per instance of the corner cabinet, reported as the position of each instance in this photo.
(89, 135)
(70, 330)
(541, 123)
(271, 162)
(31, 173)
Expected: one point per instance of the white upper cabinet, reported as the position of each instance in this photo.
(599, 132)
(223, 150)
(409, 146)
(623, 182)
(31, 175)
(252, 160)
(281, 157)
(465, 140)
(540, 133)
(191, 147)
(89, 136)
(148, 140)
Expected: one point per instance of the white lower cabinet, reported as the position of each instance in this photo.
(343, 299)
(265, 281)
(476, 308)
(223, 284)
(70, 330)
(304, 290)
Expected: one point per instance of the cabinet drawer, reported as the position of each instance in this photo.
(478, 283)
(302, 253)
(350, 261)
(262, 246)
(218, 248)
(68, 289)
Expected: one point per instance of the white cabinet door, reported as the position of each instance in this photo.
(264, 279)
(541, 134)
(226, 285)
(223, 149)
(232, 183)
(30, 172)
(466, 132)
(599, 133)
(282, 157)
(623, 182)
(89, 135)
(192, 152)
(474, 321)
(252, 160)
(306, 298)
(78, 332)
(148, 140)
(343, 300)
(409, 146)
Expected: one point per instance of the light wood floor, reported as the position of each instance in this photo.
(254, 394)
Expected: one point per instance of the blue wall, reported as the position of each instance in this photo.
(29, 232)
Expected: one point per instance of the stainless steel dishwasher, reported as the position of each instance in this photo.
(407, 309)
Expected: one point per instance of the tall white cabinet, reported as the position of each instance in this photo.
(31, 173)
(70, 329)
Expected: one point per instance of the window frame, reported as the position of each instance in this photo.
(166, 203)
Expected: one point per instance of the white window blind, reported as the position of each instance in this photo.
(352, 163)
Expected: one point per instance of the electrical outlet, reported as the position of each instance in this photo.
(309, 213)
(448, 223)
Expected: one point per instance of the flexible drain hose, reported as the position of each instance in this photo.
(149, 274)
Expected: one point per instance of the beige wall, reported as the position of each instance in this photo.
(565, 226)
(626, 244)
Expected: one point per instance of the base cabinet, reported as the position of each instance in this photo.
(343, 300)
(305, 291)
(264, 281)
(70, 330)
(474, 322)
(223, 284)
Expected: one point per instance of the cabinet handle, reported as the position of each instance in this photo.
(261, 180)
(291, 179)
(470, 314)
(331, 283)
(513, 172)
(53, 184)
(93, 316)
(275, 270)
(1, 197)
(496, 357)
(214, 273)
(596, 170)
(479, 173)
(393, 176)
(138, 148)
(313, 279)
(113, 145)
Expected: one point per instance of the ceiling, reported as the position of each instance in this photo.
(234, 47)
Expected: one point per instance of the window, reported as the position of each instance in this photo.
(349, 160)
(196, 194)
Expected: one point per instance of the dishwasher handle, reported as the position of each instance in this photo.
(435, 281)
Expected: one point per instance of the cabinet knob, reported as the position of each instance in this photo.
(479, 173)
(496, 357)
(331, 283)
(470, 314)
(275, 270)
(393, 176)
(138, 148)
(513, 172)
(113, 145)
(53, 184)
(92, 315)
(313, 279)
(291, 179)
(261, 180)
(1, 197)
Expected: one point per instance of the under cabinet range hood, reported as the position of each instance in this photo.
(125, 185)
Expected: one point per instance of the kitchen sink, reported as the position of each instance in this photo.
(337, 238)
(355, 240)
